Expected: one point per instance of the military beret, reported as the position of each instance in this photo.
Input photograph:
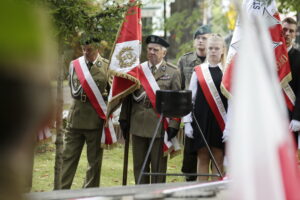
(87, 39)
(157, 40)
(204, 29)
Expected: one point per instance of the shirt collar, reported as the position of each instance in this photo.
(217, 65)
(94, 62)
(289, 48)
(157, 66)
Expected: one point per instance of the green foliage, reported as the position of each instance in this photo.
(219, 21)
(288, 5)
(71, 17)
(183, 24)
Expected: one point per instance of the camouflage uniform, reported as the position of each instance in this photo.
(186, 64)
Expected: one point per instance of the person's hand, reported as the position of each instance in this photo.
(225, 135)
(188, 130)
(124, 125)
(295, 125)
(172, 132)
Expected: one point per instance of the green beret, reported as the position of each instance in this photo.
(157, 40)
(202, 30)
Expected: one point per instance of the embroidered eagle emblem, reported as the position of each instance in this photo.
(126, 57)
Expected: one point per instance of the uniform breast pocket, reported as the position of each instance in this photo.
(164, 84)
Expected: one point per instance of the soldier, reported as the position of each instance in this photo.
(83, 123)
(139, 118)
(186, 64)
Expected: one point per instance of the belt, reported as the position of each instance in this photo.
(145, 101)
(83, 98)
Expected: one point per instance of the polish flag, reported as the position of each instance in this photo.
(268, 11)
(261, 152)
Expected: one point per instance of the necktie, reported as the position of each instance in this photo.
(89, 64)
(153, 69)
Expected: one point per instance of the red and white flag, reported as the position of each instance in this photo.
(261, 152)
(125, 57)
(268, 11)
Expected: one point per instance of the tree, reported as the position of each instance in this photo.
(70, 17)
(187, 18)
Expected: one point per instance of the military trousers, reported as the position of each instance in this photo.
(156, 161)
(74, 141)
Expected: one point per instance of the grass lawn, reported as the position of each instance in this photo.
(112, 168)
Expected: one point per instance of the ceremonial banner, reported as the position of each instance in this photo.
(266, 10)
(261, 152)
(125, 57)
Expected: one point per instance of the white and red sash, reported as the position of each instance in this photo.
(289, 96)
(211, 94)
(150, 86)
(92, 91)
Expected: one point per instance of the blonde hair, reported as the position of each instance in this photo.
(218, 37)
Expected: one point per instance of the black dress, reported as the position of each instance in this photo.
(205, 116)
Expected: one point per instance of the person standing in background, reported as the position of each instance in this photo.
(209, 104)
(289, 27)
(83, 123)
(186, 64)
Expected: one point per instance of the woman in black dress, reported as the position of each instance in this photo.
(209, 108)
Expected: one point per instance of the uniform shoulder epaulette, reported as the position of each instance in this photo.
(172, 65)
(186, 54)
(106, 61)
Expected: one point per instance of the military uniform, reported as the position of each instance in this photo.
(143, 120)
(84, 125)
(186, 65)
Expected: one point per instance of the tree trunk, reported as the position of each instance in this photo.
(59, 129)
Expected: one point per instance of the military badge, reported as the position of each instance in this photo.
(165, 77)
(126, 57)
(98, 63)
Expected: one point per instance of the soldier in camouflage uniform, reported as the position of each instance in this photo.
(83, 123)
(140, 119)
(186, 64)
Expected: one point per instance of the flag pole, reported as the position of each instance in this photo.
(119, 30)
(125, 161)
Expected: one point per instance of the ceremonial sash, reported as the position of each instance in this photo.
(93, 93)
(211, 94)
(289, 96)
(150, 86)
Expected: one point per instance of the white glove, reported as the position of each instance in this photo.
(188, 130)
(225, 135)
(295, 125)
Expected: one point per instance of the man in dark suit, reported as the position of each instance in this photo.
(289, 26)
